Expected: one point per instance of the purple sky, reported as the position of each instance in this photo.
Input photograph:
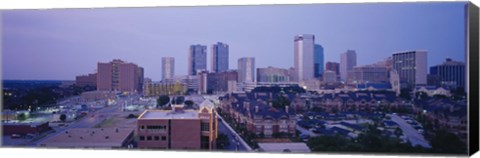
(62, 43)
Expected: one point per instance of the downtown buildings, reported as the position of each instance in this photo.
(304, 49)
(348, 60)
(118, 75)
(168, 68)
(197, 59)
(450, 74)
(246, 70)
(219, 57)
(411, 67)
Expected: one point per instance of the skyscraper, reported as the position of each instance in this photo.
(347, 61)
(197, 59)
(118, 75)
(318, 61)
(411, 67)
(450, 73)
(219, 57)
(303, 57)
(246, 69)
(168, 68)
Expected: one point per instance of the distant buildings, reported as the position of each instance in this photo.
(272, 74)
(319, 58)
(246, 69)
(157, 89)
(118, 75)
(333, 66)
(178, 128)
(212, 83)
(450, 73)
(329, 76)
(411, 67)
(86, 80)
(348, 60)
(304, 50)
(168, 68)
(197, 59)
(25, 128)
(370, 74)
(219, 57)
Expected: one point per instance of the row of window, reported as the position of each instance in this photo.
(155, 138)
(154, 128)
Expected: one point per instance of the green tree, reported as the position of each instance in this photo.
(162, 100)
(63, 117)
(445, 142)
(280, 102)
(222, 141)
(189, 103)
(21, 117)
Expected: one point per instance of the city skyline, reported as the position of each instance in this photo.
(51, 33)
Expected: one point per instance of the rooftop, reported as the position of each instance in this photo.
(169, 114)
(90, 137)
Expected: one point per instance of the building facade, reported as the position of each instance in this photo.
(86, 80)
(219, 57)
(168, 68)
(333, 66)
(348, 60)
(118, 75)
(450, 73)
(370, 74)
(304, 57)
(272, 74)
(411, 67)
(319, 59)
(246, 69)
(197, 59)
(157, 89)
(178, 128)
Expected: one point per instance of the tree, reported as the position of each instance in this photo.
(445, 142)
(222, 141)
(189, 103)
(405, 94)
(21, 117)
(162, 100)
(280, 102)
(63, 117)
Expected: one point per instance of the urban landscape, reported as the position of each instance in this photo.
(397, 104)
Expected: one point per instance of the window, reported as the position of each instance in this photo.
(149, 137)
(157, 128)
(205, 126)
(142, 138)
(156, 138)
(143, 127)
(164, 137)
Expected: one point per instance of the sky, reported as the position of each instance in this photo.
(59, 44)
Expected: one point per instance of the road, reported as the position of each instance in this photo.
(413, 136)
(235, 144)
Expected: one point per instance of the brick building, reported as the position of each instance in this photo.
(178, 128)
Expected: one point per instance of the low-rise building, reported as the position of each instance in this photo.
(178, 128)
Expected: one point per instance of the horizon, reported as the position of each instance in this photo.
(370, 29)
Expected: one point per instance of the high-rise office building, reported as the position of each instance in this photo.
(304, 57)
(272, 75)
(333, 66)
(348, 60)
(318, 61)
(168, 68)
(197, 59)
(411, 67)
(219, 57)
(246, 69)
(450, 73)
(118, 75)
